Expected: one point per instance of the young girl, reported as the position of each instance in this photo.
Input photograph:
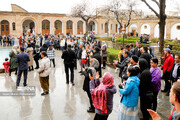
(6, 65)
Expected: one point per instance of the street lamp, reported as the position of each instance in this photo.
(123, 32)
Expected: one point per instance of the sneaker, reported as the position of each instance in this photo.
(44, 93)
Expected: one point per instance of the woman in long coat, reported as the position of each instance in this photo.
(12, 54)
(29, 50)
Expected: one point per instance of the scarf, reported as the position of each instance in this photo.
(99, 94)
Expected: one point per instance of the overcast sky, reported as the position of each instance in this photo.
(64, 6)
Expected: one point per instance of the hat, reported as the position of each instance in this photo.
(135, 58)
(167, 49)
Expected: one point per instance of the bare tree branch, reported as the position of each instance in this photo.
(157, 3)
(151, 8)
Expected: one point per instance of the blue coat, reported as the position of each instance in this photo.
(130, 92)
(22, 59)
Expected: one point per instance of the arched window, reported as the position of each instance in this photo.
(14, 25)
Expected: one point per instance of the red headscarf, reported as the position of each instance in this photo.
(99, 95)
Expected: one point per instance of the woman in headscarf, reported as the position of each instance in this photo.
(104, 53)
(30, 52)
(128, 108)
(13, 65)
(145, 88)
(102, 95)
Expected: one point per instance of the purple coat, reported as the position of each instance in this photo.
(156, 78)
(110, 93)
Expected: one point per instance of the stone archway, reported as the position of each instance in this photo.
(28, 27)
(93, 27)
(146, 29)
(4, 27)
(175, 31)
(156, 32)
(133, 29)
(58, 27)
(45, 27)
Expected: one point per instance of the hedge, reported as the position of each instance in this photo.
(112, 54)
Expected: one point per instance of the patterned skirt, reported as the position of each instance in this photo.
(127, 113)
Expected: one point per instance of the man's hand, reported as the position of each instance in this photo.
(115, 62)
(91, 77)
(169, 81)
(154, 114)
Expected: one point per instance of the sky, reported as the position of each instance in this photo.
(64, 6)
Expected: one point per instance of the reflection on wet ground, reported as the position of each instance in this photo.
(64, 101)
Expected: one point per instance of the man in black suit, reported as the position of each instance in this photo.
(137, 50)
(145, 55)
(22, 59)
(69, 59)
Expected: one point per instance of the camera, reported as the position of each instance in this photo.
(120, 86)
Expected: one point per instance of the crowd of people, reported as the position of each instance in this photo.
(138, 71)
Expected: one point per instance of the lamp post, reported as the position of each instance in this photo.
(123, 32)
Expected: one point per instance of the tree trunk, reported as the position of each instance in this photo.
(87, 28)
(162, 23)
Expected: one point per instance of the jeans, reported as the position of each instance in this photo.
(19, 77)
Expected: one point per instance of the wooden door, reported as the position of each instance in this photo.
(80, 28)
(69, 27)
(45, 27)
(4, 29)
(106, 27)
(58, 26)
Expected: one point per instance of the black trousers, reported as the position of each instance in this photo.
(53, 60)
(25, 72)
(71, 67)
(90, 99)
(37, 63)
(155, 100)
(104, 61)
(100, 117)
(144, 105)
(167, 83)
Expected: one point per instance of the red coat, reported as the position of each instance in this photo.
(6, 64)
(168, 63)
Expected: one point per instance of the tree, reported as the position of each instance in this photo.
(81, 10)
(122, 16)
(162, 19)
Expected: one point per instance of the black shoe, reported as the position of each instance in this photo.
(25, 85)
(67, 83)
(15, 73)
(44, 93)
(36, 68)
(80, 71)
(73, 84)
(163, 90)
(103, 67)
(91, 110)
(167, 94)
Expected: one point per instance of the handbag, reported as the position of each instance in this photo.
(149, 95)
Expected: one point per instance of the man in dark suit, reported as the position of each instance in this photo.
(145, 55)
(22, 60)
(69, 59)
(137, 50)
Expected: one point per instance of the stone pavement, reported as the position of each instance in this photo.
(64, 102)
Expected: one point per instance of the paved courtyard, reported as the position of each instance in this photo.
(64, 102)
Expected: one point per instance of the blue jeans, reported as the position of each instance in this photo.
(19, 77)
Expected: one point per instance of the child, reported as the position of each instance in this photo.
(6, 65)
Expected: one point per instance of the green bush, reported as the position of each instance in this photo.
(112, 54)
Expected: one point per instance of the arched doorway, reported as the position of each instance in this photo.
(156, 31)
(4, 27)
(133, 29)
(28, 27)
(175, 31)
(69, 27)
(106, 28)
(58, 27)
(92, 27)
(80, 27)
(45, 27)
(145, 29)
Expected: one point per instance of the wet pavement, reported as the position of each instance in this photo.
(65, 102)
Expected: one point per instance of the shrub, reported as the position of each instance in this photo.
(112, 55)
